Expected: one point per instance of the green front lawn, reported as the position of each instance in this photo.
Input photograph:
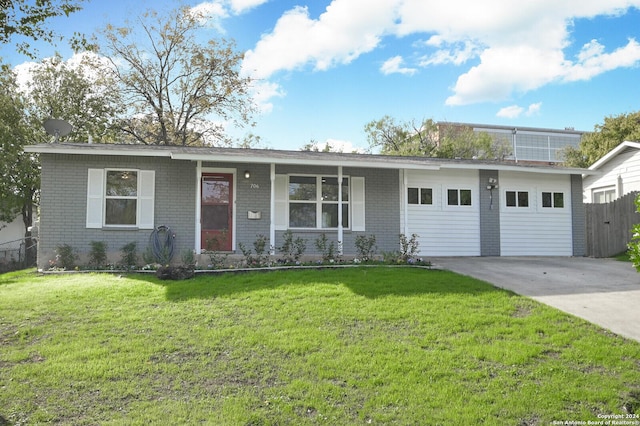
(348, 346)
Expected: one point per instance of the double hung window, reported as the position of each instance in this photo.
(314, 202)
(120, 198)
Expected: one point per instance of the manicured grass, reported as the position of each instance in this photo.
(348, 346)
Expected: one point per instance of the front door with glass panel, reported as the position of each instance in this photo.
(216, 211)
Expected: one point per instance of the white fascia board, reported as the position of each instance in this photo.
(624, 145)
(58, 149)
(305, 162)
(521, 169)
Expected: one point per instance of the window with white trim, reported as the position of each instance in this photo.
(603, 195)
(422, 196)
(120, 198)
(313, 202)
(553, 200)
(458, 197)
(517, 198)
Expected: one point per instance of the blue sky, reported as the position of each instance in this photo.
(325, 68)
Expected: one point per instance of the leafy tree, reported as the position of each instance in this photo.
(605, 137)
(462, 142)
(12, 131)
(406, 138)
(431, 139)
(56, 89)
(28, 19)
(174, 86)
(82, 93)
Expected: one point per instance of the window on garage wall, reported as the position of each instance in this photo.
(517, 198)
(422, 196)
(458, 197)
(553, 200)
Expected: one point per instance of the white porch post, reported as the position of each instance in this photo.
(272, 218)
(198, 199)
(340, 225)
(405, 202)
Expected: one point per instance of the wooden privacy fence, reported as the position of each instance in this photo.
(608, 226)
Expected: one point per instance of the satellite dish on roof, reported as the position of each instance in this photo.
(57, 128)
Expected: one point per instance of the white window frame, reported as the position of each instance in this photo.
(518, 207)
(606, 190)
(420, 203)
(553, 207)
(97, 196)
(319, 202)
(445, 198)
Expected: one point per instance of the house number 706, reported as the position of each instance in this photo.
(255, 186)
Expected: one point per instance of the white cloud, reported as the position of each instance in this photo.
(515, 111)
(534, 109)
(338, 145)
(455, 53)
(394, 66)
(512, 111)
(212, 12)
(262, 93)
(209, 10)
(516, 46)
(343, 32)
(241, 6)
(593, 60)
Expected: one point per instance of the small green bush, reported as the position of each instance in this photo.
(188, 258)
(409, 248)
(326, 248)
(634, 245)
(261, 257)
(292, 249)
(129, 259)
(366, 247)
(66, 257)
(98, 254)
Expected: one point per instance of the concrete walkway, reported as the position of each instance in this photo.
(605, 292)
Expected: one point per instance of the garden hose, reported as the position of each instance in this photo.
(161, 242)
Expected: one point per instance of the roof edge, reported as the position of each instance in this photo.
(613, 153)
(294, 158)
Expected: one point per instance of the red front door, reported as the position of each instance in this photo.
(216, 213)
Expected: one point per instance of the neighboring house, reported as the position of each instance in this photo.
(221, 197)
(614, 175)
(11, 238)
(528, 144)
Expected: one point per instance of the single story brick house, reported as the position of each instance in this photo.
(120, 193)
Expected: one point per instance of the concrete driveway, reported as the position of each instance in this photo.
(605, 292)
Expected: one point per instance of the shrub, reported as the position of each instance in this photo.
(409, 248)
(174, 273)
(66, 257)
(98, 254)
(634, 245)
(366, 247)
(326, 248)
(292, 249)
(261, 257)
(129, 259)
(188, 258)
